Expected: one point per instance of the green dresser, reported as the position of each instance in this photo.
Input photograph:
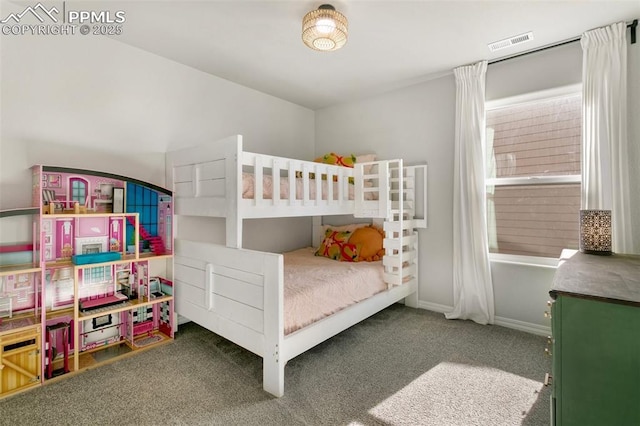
(596, 340)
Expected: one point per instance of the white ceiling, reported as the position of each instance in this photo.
(391, 44)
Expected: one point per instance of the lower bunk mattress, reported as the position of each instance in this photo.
(316, 287)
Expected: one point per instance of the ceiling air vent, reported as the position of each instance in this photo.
(511, 41)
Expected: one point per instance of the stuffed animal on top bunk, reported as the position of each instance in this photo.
(363, 244)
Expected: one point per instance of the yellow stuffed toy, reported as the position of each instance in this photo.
(368, 240)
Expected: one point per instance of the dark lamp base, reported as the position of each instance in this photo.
(599, 253)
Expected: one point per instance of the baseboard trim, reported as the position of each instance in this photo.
(528, 327)
(435, 307)
(540, 330)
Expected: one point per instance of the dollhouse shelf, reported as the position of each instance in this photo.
(116, 351)
(18, 269)
(20, 212)
(18, 324)
(133, 304)
(128, 258)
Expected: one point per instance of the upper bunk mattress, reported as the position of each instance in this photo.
(316, 287)
(248, 188)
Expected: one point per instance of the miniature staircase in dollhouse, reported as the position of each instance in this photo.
(155, 242)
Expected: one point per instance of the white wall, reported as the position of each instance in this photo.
(95, 103)
(556, 67)
(417, 124)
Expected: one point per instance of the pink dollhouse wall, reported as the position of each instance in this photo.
(116, 234)
(64, 238)
(100, 290)
(165, 213)
(62, 243)
(21, 289)
(99, 191)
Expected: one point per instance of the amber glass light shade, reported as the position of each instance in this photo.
(325, 29)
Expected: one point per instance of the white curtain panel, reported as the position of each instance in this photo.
(605, 168)
(472, 285)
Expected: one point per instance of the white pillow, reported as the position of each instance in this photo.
(366, 158)
(344, 228)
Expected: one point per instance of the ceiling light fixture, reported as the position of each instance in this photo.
(324, 29)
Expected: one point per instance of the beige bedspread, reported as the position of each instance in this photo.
(316, 287)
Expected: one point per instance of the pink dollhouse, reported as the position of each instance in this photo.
(88, 284)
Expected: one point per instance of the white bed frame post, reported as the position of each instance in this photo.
(233, 189)
(417, 219)
(273, 359)
(317, 236)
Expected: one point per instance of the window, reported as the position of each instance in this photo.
(98, 274)
(143, 201)
(78, 190)
(533, 173)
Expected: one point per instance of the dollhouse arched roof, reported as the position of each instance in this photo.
(56, 169)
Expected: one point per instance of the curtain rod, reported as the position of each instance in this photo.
(632, 25)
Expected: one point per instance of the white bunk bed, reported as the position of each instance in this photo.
(238, 293)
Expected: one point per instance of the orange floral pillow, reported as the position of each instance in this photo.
(333, 159)
(337, 160)
(336, 246)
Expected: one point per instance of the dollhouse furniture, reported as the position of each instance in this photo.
(5, 307)
(49, 201)
(104, 196)
(595, 320)
(62, 286)
(240, 294)
(52, 351)
(87, 258)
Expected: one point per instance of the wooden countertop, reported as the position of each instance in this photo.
(615, 278)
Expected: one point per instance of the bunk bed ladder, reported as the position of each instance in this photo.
(401, 238)
(394, 224)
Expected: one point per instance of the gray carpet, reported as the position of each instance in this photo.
(402, 366)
